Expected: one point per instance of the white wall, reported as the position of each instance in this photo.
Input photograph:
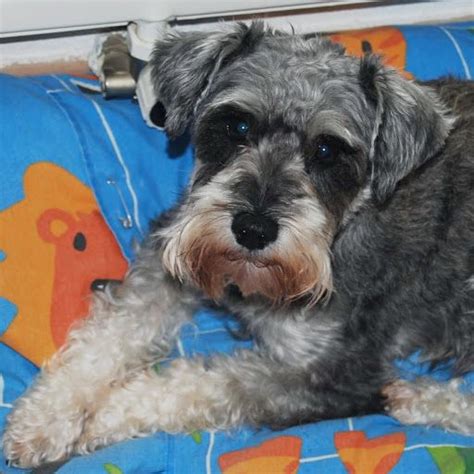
(40, 16)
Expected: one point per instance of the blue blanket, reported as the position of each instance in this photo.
(59, 126)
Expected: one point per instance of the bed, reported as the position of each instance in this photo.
(82, 177)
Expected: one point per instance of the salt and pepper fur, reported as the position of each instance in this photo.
(374, 258)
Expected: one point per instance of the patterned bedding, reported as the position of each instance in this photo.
(81, 178)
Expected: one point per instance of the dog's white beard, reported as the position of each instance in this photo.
(201, 252)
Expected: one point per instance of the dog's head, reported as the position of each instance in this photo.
(291, 136)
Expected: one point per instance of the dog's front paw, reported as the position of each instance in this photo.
(40, 434)
(131, 409)
(107, 426)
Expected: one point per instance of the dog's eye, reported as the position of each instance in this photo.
(242, 128)
(327, 148)
(324, 151)
(237, 128)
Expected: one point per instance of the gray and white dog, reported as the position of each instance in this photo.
(331, 210)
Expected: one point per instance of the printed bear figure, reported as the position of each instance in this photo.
(55, 245)
(85, 255)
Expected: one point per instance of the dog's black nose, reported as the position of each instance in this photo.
(254, 231)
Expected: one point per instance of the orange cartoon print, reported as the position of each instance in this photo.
(276, 456)
(375, 456)
(85, 253)
(56, 244)
(388, 42)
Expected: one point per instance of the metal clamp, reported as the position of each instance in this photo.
(117, 68)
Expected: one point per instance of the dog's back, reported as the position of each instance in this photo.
(457, 94)
(413, 276)
(459, 97)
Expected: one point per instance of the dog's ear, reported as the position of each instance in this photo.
(410, 125)
(184, 65)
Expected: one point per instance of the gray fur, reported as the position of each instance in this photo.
(400, 283)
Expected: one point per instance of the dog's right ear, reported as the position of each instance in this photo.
(184, 65)
(411, 125)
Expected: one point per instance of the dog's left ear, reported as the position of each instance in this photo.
(410, 125)
(184, 65)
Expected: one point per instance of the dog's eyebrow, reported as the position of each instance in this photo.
(331, 122)
(245, 101)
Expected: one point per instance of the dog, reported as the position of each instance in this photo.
(331, 210)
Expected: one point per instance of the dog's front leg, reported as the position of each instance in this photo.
(127, 329)
(199, 394)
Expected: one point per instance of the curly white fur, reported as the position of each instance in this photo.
(428, 402)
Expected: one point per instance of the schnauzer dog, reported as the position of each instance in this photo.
(331, 210)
